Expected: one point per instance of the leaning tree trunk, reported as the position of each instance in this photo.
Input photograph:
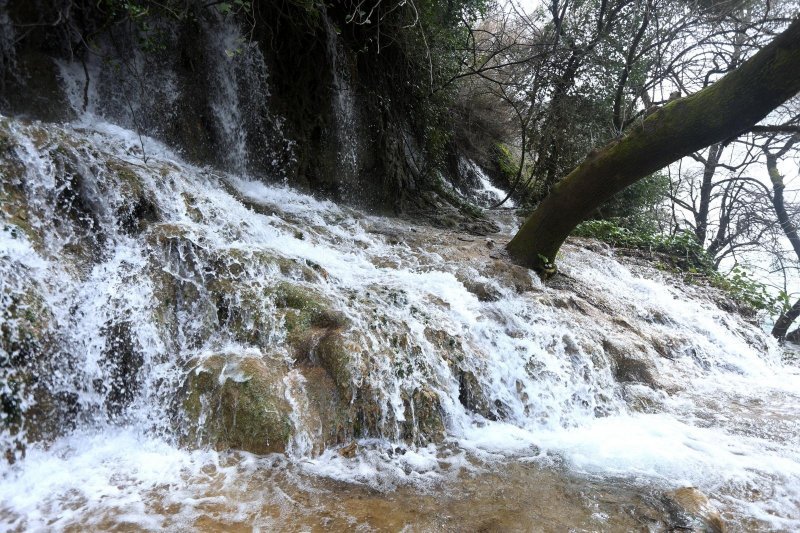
(784, 321)
(718, 112)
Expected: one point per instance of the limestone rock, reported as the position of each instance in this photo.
(699, 513)
(234, 401)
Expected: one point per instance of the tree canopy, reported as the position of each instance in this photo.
(714, 114)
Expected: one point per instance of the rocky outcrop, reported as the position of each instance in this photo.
(691, 510)
(404, 332)
(236, 401)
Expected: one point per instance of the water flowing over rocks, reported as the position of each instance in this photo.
(238, 402)
(290, 98)
(163, 323)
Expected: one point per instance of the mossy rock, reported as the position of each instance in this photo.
(12, 166)
(306, 314)
(140, 208)
(335, 355)
(631, 364)
(236, 402)
(162, 235)
(470, 393)
(183, 309)
(231, 289)
(242, 310)
(481, 289)
(328, 412)
(424, 417)
(6, 142)
(14, 209)
(28, 410)
(315, 309)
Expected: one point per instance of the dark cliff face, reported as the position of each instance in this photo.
(286, 92)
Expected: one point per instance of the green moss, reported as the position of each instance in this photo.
(235, 298)
(18, 221)
(304, 309)
(424, 417)
(506, 161)
(13, 202)
(26, 325)
(6, 141)
(293, 296)
(27, 346)
(235, 402)
(335, 356)
(126, 176)
(328, 410)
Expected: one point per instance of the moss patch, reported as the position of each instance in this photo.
(27, 352)
(424, 417)
(236, 402)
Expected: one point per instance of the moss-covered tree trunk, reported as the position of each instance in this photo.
(719, 112)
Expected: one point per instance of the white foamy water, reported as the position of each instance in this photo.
(610, 373)
(485, 194)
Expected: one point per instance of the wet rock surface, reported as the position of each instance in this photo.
(229, 316)
(236, 402)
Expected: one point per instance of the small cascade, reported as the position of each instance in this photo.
(157, 313)
(173, 310)
(137, 92)
(306, 433)
(237, 69)
(345, 115)
(478, 187)
(80, 86)
(83, 279)
(216, 109)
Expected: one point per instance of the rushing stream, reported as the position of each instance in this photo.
(577, 404)
(385, 374)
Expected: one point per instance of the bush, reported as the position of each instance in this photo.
(638, 202)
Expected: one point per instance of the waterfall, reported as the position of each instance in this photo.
(138, 276)
(479, 188)
(345, 116)
(188, 346)
(216, 109)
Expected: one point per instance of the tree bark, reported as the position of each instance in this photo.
(784, 321)
(709, 169)
(789, 229)
(719, 112)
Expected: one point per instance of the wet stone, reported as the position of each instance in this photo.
(233, 401)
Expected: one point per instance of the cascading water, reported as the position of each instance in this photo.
(480, 189)
(217, 107)
(346, 124)
(126, 264)
(234, 58)
(141, 294)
